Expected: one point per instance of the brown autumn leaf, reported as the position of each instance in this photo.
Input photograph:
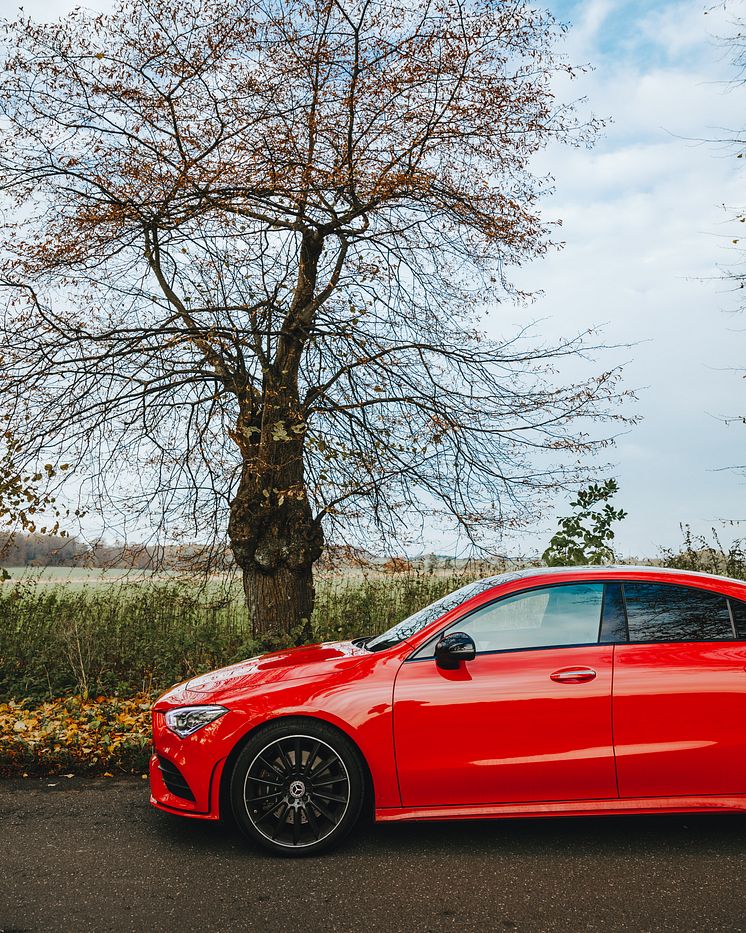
(107, 734)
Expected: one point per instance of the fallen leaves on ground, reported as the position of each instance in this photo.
(105, 734)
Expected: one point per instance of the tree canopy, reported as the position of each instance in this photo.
(252, 247)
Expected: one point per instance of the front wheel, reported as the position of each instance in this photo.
(297, 787)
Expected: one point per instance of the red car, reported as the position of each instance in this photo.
(538, 693)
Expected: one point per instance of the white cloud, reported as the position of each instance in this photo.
(684, 28)
(587, 23)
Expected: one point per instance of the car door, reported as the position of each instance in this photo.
(679, 698)
(529, 719)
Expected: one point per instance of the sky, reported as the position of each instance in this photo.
(646, 237)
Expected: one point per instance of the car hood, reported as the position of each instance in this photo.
(290, 664)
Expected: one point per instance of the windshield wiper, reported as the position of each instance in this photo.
(362, 642)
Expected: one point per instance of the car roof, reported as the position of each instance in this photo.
(610, 570)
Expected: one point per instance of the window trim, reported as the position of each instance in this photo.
(740, 629)
(732, 618)
(432, 641)
(608, 626)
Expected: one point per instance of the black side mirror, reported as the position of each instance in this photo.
(454, 647)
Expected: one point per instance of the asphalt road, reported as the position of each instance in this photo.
(92, 855)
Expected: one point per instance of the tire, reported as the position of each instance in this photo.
(297, 787)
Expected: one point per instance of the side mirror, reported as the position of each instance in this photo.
(454, 647)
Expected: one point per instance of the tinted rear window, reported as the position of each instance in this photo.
(661, 612)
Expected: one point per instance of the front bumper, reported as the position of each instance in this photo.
(205, 807)
(185, 774)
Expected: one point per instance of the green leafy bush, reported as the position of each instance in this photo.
(124, 639)
(585, 536)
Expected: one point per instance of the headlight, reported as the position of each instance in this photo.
(187, 719)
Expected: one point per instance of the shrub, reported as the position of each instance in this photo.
(124, 639)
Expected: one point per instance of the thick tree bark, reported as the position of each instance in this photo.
(275, 541)
(274, 535)
(280, 601)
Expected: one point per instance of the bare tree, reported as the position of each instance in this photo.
(734, 138)
(252, 245)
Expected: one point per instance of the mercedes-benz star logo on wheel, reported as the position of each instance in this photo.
(297, 789)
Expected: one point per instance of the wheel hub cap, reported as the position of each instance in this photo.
(297, 789)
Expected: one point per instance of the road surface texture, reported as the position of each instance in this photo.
(90, 854)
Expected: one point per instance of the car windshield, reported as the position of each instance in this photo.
(414, 623)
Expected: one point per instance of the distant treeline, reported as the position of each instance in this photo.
(36, 550)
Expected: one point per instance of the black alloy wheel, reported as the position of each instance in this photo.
(297, 787)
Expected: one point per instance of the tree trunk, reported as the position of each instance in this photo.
(281, 601)
(276, 541)
(274, 535)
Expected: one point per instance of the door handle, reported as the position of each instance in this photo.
(573, 675)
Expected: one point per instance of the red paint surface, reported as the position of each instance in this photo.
(499, 729)
(680, 719)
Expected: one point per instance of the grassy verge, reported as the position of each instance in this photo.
(121, 640)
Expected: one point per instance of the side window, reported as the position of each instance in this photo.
(553, 615)
(661, 612)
